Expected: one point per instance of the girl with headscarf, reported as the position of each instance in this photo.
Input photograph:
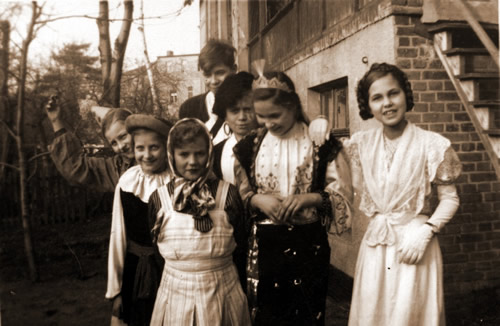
(200, 225)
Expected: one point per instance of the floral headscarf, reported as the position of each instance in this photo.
(195, 192)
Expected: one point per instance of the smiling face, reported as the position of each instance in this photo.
(387, 102)
(150, 151)
(216, 75)
(276, 118)
(241, 117)
(191, 159)
(119, 139)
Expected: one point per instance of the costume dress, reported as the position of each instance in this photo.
(394, 182)
(288, 264)
(200, 283)
(134, 269)
(97, 173)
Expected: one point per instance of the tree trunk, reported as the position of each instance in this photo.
(104, 46)
(23, 176)
(5, 115)
(156, 101)
(112, 61)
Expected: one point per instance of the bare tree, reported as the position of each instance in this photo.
(4, 73)
(156, 102)
(112, 60)
(18, 135)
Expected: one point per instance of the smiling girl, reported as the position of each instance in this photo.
(200, 225)
(133, 268)
(99, 173)
(398, 275)
(289, 186)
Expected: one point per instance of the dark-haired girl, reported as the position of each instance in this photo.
(199, 226)
(398, 275)
(294, 191)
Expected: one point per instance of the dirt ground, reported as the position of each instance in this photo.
(72, 267)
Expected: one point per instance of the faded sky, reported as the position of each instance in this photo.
(179, 33)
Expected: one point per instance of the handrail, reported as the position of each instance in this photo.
(478, 29)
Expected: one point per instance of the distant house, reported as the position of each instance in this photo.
(326, 46)
(177, 78)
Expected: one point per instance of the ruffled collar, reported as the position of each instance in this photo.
(141, 184)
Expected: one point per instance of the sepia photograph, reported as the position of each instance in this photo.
(249, 163)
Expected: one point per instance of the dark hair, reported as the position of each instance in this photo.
(232, 90)
(280, 97)
(216, 52)
(111, 117)
(377, 71)
(187, 132)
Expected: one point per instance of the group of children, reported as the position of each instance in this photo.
(234, 232)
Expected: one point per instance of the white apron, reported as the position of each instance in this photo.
(200, 284)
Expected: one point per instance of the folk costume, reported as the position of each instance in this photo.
(134, 270)
(393, 178)
(288, 264)
(134, 265)
(200, 226)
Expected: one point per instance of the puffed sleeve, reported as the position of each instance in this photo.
(449, 169)
(98, 173)
(339, 187)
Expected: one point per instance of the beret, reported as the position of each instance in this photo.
(146, 121)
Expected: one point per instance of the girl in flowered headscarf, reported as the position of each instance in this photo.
(200, 225)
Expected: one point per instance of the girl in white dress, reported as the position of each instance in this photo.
(398, 275)
(200, 226)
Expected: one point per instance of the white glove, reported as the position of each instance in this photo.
(318, 130)
(413, 245)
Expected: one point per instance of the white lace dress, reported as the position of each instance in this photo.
(394, 180)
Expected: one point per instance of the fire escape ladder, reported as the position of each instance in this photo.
(471, 62)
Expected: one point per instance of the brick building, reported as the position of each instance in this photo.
(326, 46)
(177, 78)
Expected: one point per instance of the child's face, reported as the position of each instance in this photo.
(387, 101)
(191, 159)
(119, 139)
(241, 117)
(276, 118)
(150, 151)
(215, 77)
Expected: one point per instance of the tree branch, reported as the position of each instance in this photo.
(34, 157)
(10, 166)
(9, 130)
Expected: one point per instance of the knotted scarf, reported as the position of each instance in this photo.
(196, 193)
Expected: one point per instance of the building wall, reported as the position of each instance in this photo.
(388, 30)
(182, 71)
(345, 59)
(470, 242)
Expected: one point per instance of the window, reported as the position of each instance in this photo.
(274, 6)
(190, 91)
(334, 105)
(173, 97)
